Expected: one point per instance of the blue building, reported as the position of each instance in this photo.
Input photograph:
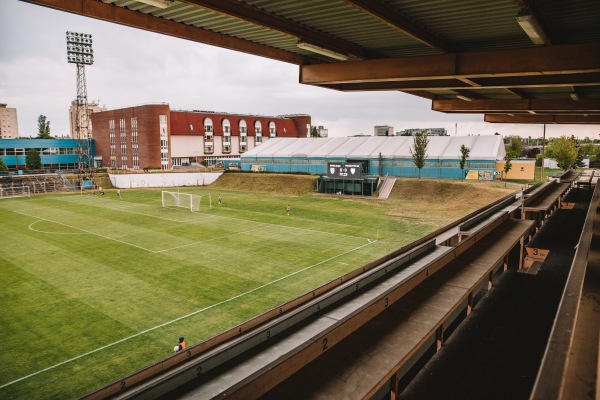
(55, 153)
(380, 155)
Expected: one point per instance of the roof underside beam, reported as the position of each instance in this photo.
(245, 12)
(542, 119)
(530, 81)
(401, 22)
(526, 62)
(111, 13)
(554, 106)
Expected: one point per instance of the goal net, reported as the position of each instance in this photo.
(14, 191)
(185, 200)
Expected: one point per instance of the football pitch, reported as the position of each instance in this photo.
(95, 287)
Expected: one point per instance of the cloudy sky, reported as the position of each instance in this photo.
(133, 67)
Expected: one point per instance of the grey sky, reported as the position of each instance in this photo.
(134, 67)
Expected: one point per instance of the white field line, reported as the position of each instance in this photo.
(291, 227)
(52, 233)
(123, 242)
(85, 231)
(124, 207)
(209, 240)
(184, 316)
(202, 215)
(163, 250)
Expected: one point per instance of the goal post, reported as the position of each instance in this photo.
(14, 191)
(192, 202)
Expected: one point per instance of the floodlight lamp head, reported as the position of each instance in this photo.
(79, 48)
(532, 28)
(462, 97)
(323, 51)
(158, 3)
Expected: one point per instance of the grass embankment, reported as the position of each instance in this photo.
(95, 288)
(276, 184)
(415, 200)
(439, 202)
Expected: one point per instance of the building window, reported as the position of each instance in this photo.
(164, 143)
(226, 127)
(258, 130)
(208, 143)
(123, 143)
(135, 157)
(226, 136)
(272, 129)
(208, 136)
(113, 144)
(243, 136)
(208, 125)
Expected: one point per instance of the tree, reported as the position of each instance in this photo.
(3, 166)
(589, 149)
(564, 151)
(507, 166)
(464, 154)
(538, 160)
(33, 159)
(514, 147)
(43, 128)
(314, 132)
(419, 150)
(580, 153)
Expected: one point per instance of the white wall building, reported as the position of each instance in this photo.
(383, 130)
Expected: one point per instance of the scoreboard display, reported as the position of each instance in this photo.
(345, 171)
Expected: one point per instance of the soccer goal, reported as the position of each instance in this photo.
(14, 191)
(192, 202)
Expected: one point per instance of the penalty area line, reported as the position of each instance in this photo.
(183, 317)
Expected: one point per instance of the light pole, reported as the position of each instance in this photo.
(79, 52)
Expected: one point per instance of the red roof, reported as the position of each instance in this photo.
(192, 123)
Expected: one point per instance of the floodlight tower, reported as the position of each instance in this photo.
(79, 52)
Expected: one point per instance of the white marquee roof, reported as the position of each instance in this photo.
(439, 147)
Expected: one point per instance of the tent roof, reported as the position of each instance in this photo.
(439, 147)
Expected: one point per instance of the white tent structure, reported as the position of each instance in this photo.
(382, 155)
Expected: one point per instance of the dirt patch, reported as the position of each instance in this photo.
(283, 184)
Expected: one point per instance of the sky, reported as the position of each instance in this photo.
(133, 67)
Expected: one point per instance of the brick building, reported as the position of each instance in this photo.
(154, 136)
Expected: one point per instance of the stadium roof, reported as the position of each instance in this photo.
(523, 61)
(440, 147)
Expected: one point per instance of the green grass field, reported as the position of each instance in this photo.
(94, 288)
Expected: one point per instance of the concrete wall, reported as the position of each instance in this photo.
(132, 181)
